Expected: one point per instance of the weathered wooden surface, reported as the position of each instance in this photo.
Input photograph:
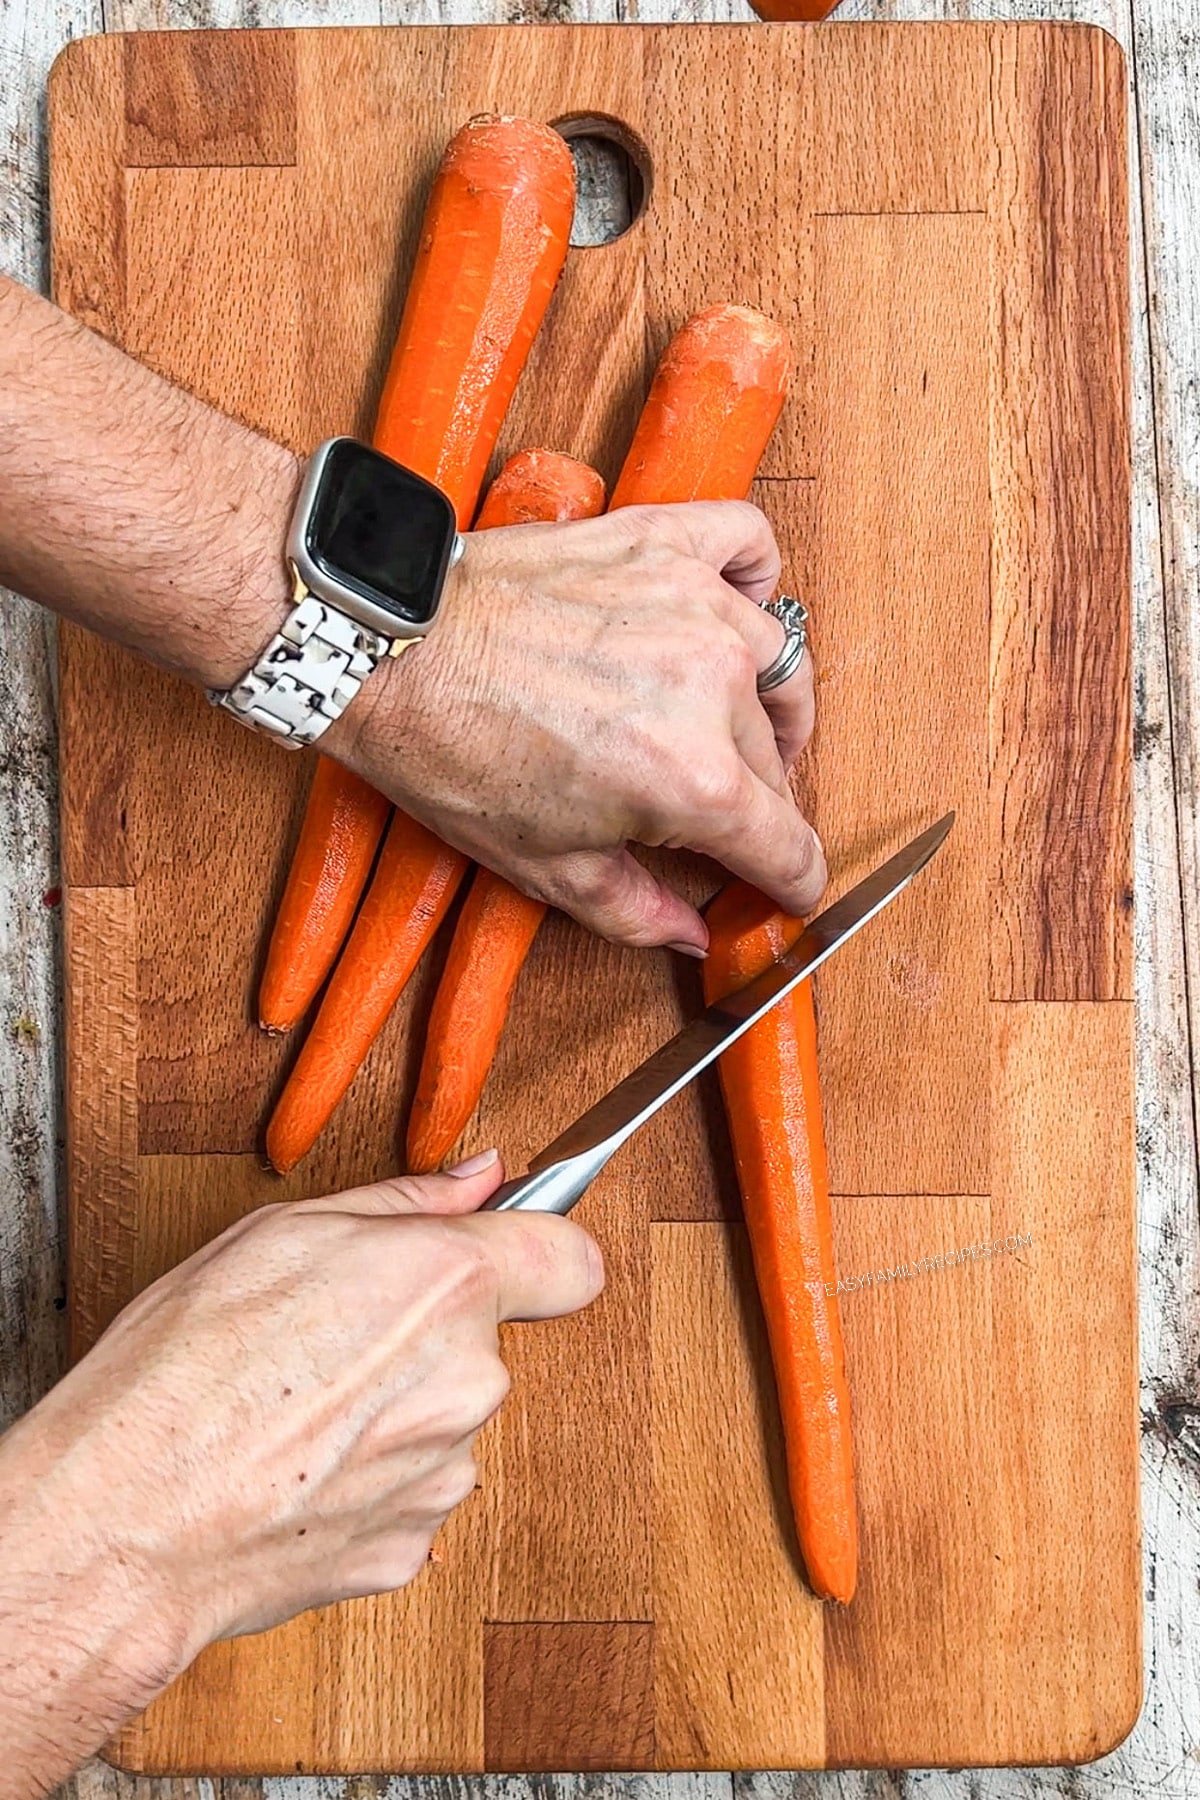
(1160, 1756)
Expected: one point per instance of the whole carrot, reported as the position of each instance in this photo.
(711, 408)
(773, 1105)
(417, 879)
(498, 924)
(417, 875)
(492, 246)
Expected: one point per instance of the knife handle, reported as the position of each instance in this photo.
(554, 1189)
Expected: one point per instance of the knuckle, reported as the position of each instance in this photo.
(716, 786)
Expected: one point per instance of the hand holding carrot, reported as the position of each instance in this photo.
(590, 685)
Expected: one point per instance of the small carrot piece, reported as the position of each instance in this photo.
(539, 487)
(772, 1101)
(493, 242)
(712, 406)
(415, 882)
(498, 924)
(794, 11)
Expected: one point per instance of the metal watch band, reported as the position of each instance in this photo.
(308, 674)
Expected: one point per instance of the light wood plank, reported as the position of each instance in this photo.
(900, 626)
(730, 1669)
(1060, 568)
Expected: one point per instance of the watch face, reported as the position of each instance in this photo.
(381, 531)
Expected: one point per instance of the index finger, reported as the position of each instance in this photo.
(546, 1265)
(765, 838)
(731, 536)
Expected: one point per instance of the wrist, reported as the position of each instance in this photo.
(259, 597)
(90, 1631)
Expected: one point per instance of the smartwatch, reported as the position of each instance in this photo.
(369, 549)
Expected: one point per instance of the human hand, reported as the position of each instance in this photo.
(340, 1356)
(594, 684)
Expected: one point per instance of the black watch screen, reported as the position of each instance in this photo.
(381, 531)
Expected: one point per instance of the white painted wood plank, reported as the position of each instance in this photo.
(31, 1280)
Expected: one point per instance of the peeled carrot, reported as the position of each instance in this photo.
(492, 246)
(497, 926)
(539, 487)
(417, 875)
(711, 408)
(343, 823)
(416, 880)
(773, 1104)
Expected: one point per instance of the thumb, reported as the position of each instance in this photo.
(460, 1190)
(612, 894)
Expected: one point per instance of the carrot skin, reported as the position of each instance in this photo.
(343, 823)
(493, 242)
(417, 878)
(770, 1086)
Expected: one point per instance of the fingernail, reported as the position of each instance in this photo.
(689, 950)
(474, 1165)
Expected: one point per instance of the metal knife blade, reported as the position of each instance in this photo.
(559, 1174)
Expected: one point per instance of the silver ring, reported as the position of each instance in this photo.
(793, 616)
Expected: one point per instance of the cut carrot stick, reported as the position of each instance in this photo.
(417, 875)
(710, 411)
(711, 408)
(497, 926)
(492, 246)
(773, 1104)
(414, 884)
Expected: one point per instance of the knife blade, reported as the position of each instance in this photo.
(561, 1173)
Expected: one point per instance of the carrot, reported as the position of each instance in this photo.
(416, 880)
(417, 875)
(772, 1101)
(343, 823)
(497, 926)
(798, 11)
(540, 487)
(492, 246)
(711, 408)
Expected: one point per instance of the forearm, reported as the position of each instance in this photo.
(88, 1631)
(132, 508)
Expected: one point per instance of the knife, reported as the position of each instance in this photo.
(560, 1174)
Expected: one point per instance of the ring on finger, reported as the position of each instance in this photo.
(793, 616)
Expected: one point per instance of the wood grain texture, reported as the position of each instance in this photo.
(1060, 337)
(570, 1696)
(182, 111)
(401, 1684)
(738, 1650)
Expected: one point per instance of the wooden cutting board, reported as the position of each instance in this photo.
(938, 214)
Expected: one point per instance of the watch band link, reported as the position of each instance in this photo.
(308, 674)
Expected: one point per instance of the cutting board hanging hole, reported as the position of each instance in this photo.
(612, 177)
